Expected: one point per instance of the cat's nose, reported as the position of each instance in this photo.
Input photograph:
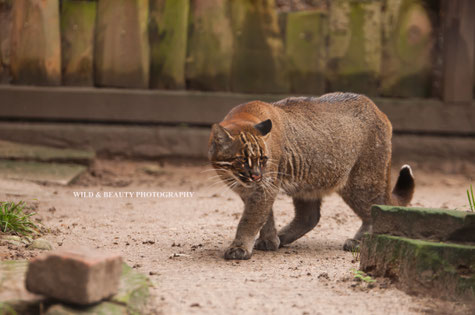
(256, 177)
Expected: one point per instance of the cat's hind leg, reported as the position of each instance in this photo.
(367, 185)
(268, 239)
(307, 215)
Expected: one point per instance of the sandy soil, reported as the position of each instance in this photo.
(180, 242)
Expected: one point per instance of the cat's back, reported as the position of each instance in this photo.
(331, 102)
(334, 106)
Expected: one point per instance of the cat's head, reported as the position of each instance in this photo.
(240, 154)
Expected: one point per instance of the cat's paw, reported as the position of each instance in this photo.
(237, 253)
(351, 245)
(268, 245)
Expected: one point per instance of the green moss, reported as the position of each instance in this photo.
(408, 45)
(422, 211)
(210, 46)
(355, 46)
(258, 60)
(441, 269)
(77, 40)
(305, 47)
(168, 40)
(133, 290)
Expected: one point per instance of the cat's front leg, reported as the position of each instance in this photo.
(256, 213)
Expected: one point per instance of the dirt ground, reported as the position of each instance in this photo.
(179, 242)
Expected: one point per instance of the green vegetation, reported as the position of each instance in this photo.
(6, 309)
(14, 221)
(361, 276)
(471, 199)
(356, 253)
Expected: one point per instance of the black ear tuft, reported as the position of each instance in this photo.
(264, 127)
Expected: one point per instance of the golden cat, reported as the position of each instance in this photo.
(308, 147)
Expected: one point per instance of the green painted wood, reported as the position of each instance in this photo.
(35, 43)
(354, 46)
(259, 59)
(210, 46)
(121, 44)
(5, 32)
(305, 47)
(409, 39)
(77, 42)
(168, 38)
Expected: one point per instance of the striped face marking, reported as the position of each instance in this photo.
(249, 160)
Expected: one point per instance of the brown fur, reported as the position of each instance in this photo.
(339, 142)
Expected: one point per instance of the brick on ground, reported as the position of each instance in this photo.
(79, 277)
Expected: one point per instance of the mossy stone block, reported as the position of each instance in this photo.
(354, 56)
(168, 39)
(305, 48)
(121, 53)
(259, 59)
(210, 46)
(132, 297)
(409, 41)
(77, 42)
(441, 270)
(422, 223)
(35, 55)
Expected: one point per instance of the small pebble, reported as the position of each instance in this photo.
(41, 244)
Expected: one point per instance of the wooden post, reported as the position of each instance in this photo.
(210, 46)
(121, 49)
(5, 31)
(35, 54)
(459, 34)
(77, 42)
(168, 29)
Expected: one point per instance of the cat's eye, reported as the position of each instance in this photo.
(240, 161)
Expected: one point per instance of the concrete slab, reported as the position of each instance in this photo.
(54, 173)
(441, 270)
(422, 223)
(26, 152)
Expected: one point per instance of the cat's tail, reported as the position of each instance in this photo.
(404, 189)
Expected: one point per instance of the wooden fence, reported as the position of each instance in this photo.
(394, 48)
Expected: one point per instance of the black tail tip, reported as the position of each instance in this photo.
(406, 171)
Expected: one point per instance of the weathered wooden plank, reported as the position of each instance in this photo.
(151, 106)
(259, 60)
(354, 46)
(36, 43)
(121, 53)
(459, 34)
(168, 37)
(305, 47)
(409, 38)
(77, 42)
(210, 46)
(5, 32)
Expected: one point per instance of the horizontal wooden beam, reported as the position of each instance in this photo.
(200, 108)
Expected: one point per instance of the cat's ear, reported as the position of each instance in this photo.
(220, 141)
(220, 134)
(264, 127)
